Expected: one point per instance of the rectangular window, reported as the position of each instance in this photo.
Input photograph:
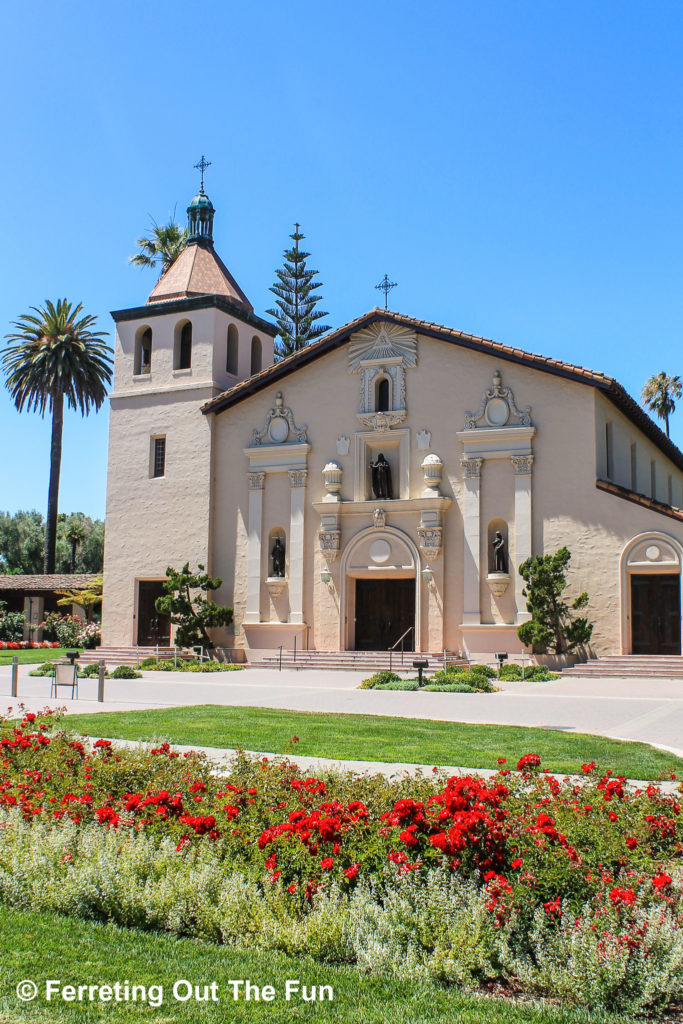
(634, 467)
(653, 479)
(609, 454)
(158, 456)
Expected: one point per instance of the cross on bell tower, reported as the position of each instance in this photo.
(201, 166)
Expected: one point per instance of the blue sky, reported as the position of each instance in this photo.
(515, 167)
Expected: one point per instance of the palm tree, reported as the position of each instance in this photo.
(163, 247)
(75, 535)
(659, 393)
(52, 357)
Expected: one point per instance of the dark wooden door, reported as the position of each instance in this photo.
(656, 614)
(153, 628)
(385, 609)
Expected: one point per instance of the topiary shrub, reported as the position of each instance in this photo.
(450, 687)
(149, 663)
(126, 672)
(207, 666)
(400, 684)
(540, 674)
(473, 682)
(483, 670)
(46, 669)
(512, 673)
(379, 679)
(88, 671)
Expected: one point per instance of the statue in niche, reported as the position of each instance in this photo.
(381, 478)
(278, 557)
(500, 562)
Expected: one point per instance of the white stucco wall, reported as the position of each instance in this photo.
(567, 507)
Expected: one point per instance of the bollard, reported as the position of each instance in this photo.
(100, 683)
(15, 677)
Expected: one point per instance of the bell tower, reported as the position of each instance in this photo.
(196, 337)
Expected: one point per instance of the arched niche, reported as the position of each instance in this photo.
(256, 355)
(277, 554)
(182, 345)
(142, 360)
(232, 355)
(494, 527)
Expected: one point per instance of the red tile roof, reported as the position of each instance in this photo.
(199, 270)
(640, 499)
(41, 583)
(559, 368)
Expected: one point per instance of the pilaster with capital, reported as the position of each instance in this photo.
(297, 482)
(255, 529)
(522, 466)
(472, 554)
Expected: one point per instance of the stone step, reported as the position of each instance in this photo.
(370, 661)
(632, 666)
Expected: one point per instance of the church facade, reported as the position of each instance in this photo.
(386, 481)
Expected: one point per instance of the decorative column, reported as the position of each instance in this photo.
(297, 483)
(522, 465)
(471, 568)
(253, 613)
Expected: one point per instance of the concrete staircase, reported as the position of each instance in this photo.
(630, 666)
(356, 661)
(114, 656)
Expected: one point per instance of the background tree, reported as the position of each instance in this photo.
(80, 536)
(54, 357)
(551, 625)
(74, 534)
(659, 396)
(185, 601)
(22, 542)
(162, 247)
(297, 296)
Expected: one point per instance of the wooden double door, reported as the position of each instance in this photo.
(655, 614)
(153, 628)
(385, 609)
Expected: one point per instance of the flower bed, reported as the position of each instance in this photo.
(568, 888)
(28, 645)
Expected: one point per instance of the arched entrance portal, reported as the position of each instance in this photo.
(651, 595)
(380, 591)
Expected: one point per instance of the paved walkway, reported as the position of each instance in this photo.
(649, 710)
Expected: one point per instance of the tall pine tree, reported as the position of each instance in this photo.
(297, 297)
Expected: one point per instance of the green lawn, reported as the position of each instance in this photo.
(39, 946)
(34, 657)
(376, 738)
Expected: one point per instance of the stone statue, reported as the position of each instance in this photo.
(381, 478)
(500, 562)
(278, 556)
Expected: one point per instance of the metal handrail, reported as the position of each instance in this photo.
(399, 641)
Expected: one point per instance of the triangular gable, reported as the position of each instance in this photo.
(579, 374)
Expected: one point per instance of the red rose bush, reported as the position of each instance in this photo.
(568, 888)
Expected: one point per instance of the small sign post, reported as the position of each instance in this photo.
(420, 666)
